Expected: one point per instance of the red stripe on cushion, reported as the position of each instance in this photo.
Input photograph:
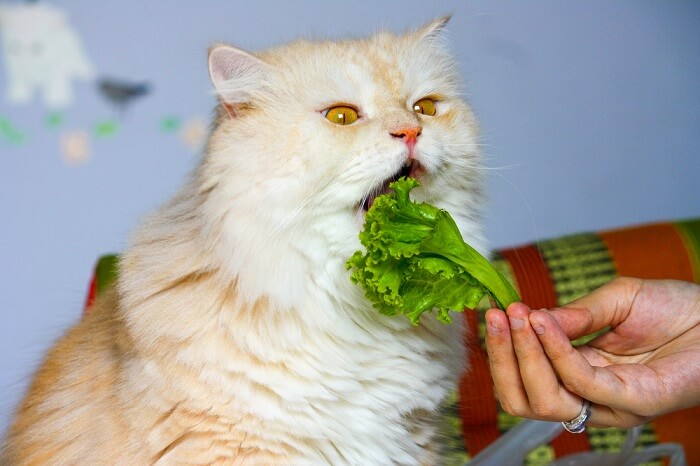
(567, 443)
(478, 407)
(534, 282)
(681, 427)
(92, 294)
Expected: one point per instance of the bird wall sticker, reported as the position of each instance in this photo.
(121, 93)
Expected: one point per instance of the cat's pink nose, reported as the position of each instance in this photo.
(410, 136)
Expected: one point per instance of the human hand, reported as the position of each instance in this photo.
(646, 365)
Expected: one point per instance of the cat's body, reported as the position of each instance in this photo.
(234, 335)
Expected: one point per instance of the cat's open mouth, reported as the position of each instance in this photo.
(411, 168)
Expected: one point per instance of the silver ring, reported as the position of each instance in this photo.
(578, 424)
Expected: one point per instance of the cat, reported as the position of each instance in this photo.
(233, 334)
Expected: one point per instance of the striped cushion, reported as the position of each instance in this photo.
(547, 274)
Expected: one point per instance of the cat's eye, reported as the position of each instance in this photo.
(341, 115)
(425, 107)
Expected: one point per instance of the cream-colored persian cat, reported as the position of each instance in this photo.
(234, 335)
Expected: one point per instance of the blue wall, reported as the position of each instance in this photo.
(590, 112)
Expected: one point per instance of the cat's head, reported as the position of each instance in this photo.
(307, 133)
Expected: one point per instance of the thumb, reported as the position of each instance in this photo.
(574, 322)
(606, 306)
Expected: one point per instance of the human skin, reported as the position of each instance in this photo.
(647, 364)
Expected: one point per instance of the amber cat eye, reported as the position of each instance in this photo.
(341, 115)
(425, 107)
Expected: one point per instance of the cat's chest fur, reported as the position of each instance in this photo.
(352, 387)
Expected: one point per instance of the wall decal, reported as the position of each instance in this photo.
(105, 128)
(75, 147)
(11, 135)
(43, 54)
(121, 93)
(170, 124)
(194, 133)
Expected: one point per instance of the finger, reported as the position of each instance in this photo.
(548, 399)
(606, 306)
(503, 363)
(597, 384)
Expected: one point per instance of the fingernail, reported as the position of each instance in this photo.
(493, 328)
(539, 329)
(516, 323)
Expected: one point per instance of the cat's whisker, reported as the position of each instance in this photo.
(503, 167)
(528, 208)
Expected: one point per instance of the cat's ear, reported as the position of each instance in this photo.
(237, 75)
(434, 30)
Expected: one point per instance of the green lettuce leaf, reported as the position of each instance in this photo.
(415, 260)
